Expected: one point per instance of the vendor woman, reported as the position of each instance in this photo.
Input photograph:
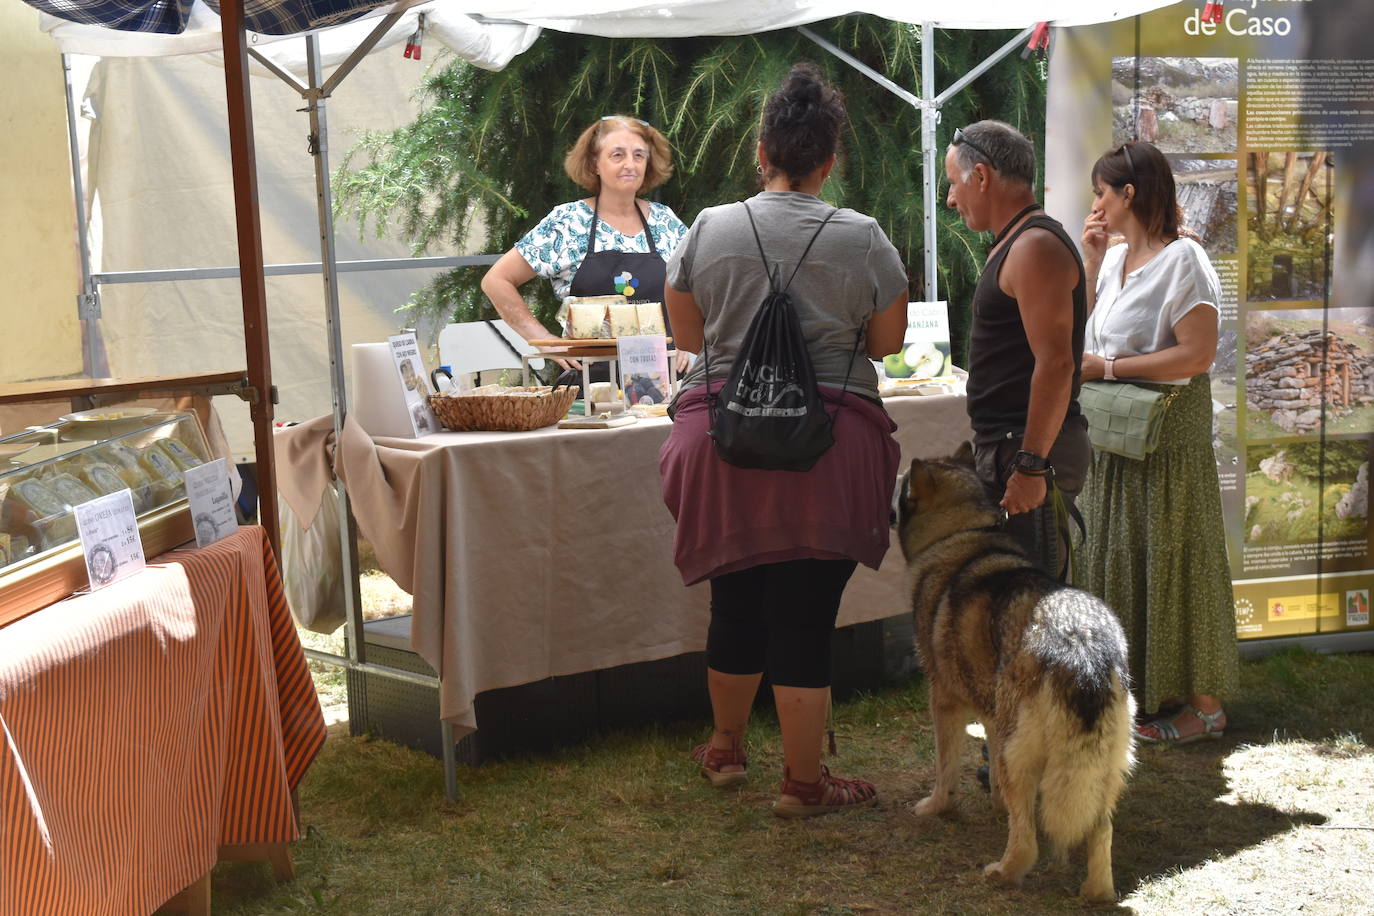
(612, 242)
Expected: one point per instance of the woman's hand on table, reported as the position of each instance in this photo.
(1094, 367)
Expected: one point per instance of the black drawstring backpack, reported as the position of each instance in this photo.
(769, 414)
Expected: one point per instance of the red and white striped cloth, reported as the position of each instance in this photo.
(144, 725)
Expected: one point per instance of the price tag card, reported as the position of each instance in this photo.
(212, 501)
(109, 538)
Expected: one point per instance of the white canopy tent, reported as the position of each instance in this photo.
(502, 30)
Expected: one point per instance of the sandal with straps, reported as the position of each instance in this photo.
(1213, 726)
(713, 758)
(825, 795)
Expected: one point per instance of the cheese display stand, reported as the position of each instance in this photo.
(48, 470)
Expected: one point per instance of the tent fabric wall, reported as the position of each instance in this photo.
(38, 257)
(159, 167)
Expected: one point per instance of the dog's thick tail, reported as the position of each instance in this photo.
(1085, 775)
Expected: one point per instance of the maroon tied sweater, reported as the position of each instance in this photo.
(731, 518)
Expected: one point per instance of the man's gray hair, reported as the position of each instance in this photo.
(1000, 147)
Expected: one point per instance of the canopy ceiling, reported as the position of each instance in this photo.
(143, 28)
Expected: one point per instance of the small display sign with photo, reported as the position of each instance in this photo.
(644, 370)
(414, 384)
(925, 349)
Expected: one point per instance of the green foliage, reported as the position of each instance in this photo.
(483, 161)
(1332, 460)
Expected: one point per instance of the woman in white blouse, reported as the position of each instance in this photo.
(1156, 548)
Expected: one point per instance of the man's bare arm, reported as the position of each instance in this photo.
(1041, 274)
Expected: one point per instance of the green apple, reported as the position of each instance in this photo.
(925, 359)
(895, 366)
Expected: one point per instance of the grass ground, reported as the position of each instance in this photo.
(1271, 513)
(1278, 817)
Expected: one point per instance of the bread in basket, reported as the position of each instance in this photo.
(493, 407)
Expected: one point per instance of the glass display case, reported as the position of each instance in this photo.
(46, 471)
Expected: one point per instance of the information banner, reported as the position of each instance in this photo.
(1267, 117)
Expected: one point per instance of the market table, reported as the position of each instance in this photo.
(537, 554)
(148, 727)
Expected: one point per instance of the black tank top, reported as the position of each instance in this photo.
(1000, 358)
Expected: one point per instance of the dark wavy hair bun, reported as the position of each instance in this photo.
(802, 123)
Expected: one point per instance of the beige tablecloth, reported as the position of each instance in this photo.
(547, 553)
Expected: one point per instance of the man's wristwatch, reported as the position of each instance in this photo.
(1030, 463)
(1109, 369)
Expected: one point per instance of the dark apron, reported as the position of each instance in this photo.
(638, 276)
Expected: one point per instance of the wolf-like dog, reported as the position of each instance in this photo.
(1040, 664)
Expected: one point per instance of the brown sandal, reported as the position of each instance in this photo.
(713, 758)
(825, 795)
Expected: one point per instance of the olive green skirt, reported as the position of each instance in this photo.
(1156, 552)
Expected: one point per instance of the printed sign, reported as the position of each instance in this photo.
(644, 369)
(212, 501)
(109, 538)
(410, 371)
(925, 346)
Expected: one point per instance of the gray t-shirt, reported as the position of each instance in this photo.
(851, 272)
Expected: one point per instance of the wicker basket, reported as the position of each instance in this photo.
(504, 411)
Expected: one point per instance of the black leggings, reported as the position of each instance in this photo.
(778, 618)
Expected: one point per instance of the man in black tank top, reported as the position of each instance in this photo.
(1026, 339)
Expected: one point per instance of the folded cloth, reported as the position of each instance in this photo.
(730, 518)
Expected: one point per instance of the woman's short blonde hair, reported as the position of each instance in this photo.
(580, 163)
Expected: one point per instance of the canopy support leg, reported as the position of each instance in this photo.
(251, 280)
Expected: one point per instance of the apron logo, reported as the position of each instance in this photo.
(626, 284)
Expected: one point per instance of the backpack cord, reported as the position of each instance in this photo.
(773, 286)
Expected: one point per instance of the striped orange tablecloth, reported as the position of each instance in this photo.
(147, 724)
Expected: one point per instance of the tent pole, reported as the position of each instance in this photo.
(252, 283)
(88, 300)
(930, 113)
(315, 97)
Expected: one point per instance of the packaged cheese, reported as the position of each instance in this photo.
(55, 529)
(180, 454)
(650, 317)
(163, 474)
(29, 500)
(157, 463)
(103, 478)
(71, 491)
(624, 320)
(124, 461)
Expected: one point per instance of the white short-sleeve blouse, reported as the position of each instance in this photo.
(1138, 316)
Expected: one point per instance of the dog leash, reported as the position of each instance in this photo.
(1063, 513)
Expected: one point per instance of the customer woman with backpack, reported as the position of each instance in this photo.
(768, 510)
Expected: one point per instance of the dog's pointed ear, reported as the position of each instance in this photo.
(919, 482)
(964, 454)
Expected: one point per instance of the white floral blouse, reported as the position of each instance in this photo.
(555, 248)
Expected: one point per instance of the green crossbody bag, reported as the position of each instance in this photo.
(1124, 419)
